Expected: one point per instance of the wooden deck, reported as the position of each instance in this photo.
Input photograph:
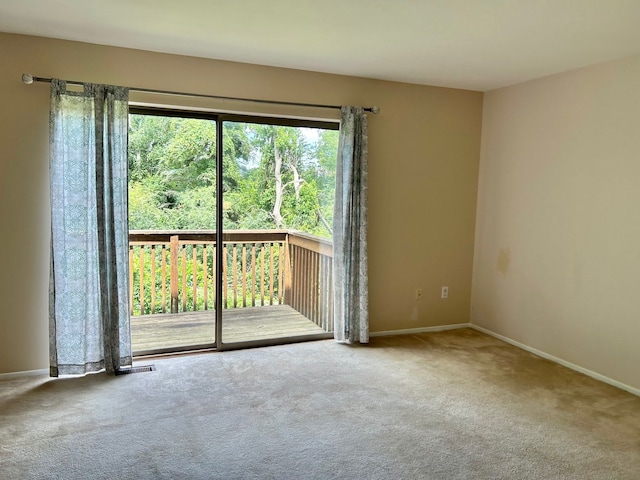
(151, 332)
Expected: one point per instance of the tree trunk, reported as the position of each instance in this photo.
(297, 181)
(324, 222)
(277, 216)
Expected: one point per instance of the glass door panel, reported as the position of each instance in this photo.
(279, 183)
(172, 222)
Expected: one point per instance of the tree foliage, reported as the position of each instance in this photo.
(274, 176)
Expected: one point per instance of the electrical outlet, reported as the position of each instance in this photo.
(418, 294)
(445, 292)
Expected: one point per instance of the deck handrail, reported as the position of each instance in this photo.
(261, 267)
(164, 236)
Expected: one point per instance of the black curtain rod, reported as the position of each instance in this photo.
(29, 79)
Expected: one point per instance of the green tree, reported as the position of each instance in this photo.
(283, 186)
(172, 171)
(274, 176)
(326, 153)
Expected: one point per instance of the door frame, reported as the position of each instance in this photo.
(218, 343)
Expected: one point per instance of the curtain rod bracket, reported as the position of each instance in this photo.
(28, 79)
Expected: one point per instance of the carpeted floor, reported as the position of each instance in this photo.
(449, 405)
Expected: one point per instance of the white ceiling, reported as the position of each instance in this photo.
(471, 44)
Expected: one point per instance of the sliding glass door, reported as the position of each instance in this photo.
(230, 253)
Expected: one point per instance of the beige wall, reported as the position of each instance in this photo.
(424, 152)
(557, 250)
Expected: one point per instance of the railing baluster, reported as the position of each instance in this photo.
(205, 275)
(304, 276)
(294, 277)
(184, 277)
(328, 297)
(253, 275)
(271, 274)
(262, 279)
(302, 254)
(194, 267)
(322, 293)
(314, 287)
(301, 280)
(224, 276)
(131, 279)
(319, 291)
(213, 277)
(153, 279)
(287, 271)
(244, 274)
(141, 278)
(297, 280)
(163, 272)
(309, 275)
(234, 258)
(330, 275)
(280, 273)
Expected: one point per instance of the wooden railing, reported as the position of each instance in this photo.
(174, 271)
(312, 278)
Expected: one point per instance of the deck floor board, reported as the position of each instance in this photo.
(160, 331)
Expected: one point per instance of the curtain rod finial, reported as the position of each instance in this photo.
(27, 78)
(375, 110)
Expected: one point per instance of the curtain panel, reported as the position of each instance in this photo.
(88, 292)
(351, 297)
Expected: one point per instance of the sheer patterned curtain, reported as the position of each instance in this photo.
(88, 291)
(351, 297)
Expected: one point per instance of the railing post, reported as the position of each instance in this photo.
(174, 251)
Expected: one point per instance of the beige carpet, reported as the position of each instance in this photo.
(450, 405)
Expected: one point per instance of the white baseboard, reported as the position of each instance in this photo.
(560, 361)
(407, 331)
(26, 373)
